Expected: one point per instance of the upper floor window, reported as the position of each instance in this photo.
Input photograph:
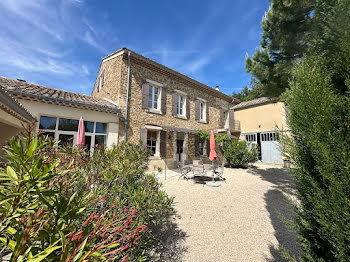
(100, 81)
(153, 97)
(226, 123)
(202, 111)
(181, 105)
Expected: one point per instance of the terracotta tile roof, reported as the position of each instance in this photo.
(255, 102)
(22, 89)
(10, 105)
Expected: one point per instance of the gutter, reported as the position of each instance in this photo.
(127, 99)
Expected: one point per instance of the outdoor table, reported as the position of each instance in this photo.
(189, 168)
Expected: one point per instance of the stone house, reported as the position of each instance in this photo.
(163, 108)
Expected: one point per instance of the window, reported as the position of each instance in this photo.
(226, 123)
(100, 81)
(65, 130)
(202, 148)
(48, 123)
(153, 97)
(68, 124)
(250, 138)
(181, 105)
(202, 111)
(152, 137)
(270, 136)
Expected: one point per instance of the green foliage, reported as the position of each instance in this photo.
(203, 135)
(52, 210)
(319, 118)
(120, 173)
(287, 33)
(238, 154)
(221, 138)
(255, 91)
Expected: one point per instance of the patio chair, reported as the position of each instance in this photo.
(198, 168)
(219, 171)
(183, 171)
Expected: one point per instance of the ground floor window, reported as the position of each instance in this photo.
(202, 146)
(152, 138)
(65, 131)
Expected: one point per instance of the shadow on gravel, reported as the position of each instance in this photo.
(173, 243)
(279, 209)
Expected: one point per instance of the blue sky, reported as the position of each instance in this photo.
(60, 43)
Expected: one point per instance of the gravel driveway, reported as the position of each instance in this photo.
(238, 221)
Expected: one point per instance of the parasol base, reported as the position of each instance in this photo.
(213, 184)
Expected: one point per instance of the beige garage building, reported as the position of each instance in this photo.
(262, 120)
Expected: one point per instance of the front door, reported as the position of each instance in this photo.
(179, 149)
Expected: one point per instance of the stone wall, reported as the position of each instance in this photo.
(115, 88)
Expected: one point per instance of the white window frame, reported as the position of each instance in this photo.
(157, 130)
(203, 145)
(202, 111)
(251, 137)
(183, 107)
(58, 132)
(226, 119)
(159, 96)
(99, 88)
(269, 136)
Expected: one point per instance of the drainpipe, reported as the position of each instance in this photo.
(127, 99)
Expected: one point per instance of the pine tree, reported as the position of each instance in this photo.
(285, 39)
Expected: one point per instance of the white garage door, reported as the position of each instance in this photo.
(270, 148)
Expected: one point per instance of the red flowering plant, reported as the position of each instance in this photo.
(107, 236)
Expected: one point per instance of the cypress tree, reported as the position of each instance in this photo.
(319, 120)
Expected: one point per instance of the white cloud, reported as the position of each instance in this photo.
(91, 40)
(85, 69)
(197, 64)
(39, 36)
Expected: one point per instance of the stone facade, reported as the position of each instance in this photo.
(114, 72)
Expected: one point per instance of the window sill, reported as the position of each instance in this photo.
(202, 121)
(181, 117)
(154, 111)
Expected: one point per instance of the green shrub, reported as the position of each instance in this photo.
(125, 179)
(46, 215)
(238, 154)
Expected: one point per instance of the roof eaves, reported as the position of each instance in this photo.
(63, 101)
(269, 101)
(14, 105)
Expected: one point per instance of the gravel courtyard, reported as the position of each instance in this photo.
(238, 221)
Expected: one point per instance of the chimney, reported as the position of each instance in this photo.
(217, 88)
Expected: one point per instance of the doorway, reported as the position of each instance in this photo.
(179, 150)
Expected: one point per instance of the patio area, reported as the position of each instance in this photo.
(238, 221)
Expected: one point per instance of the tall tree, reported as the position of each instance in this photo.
(285, 39)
